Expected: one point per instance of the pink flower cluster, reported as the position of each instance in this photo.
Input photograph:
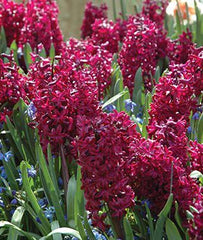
(105, 34)
(141, 48)
(91, 14)
(12, 19)
(150, 172)
(155, 10)
(64, 90)
(174, 99)
(12, 88)
(104, 145)
(35, 23)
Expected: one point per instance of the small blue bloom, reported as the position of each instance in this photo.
(43, 202)
(13, 192)
(12, 211)
(98, 235)
(3, 172)
(110, 108)
(147, 202)
(49, 213)
(2, 189)
(7, 156)
(20, 180)
(31, 111)
(1, 146)
(130, 105)
(14, 201)
(38, 220)
(189, 130)
(2, 203)
(196, 116)
(1, 156)
(31, 172)
(60, 182)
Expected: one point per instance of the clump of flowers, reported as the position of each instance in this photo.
(195, 228)
(103, 145)
(85, 54)
(61, 92)
(155, 10)
(195, 150)
(180, 49)
(35, 23)
(12, 87)
(150, 168)
(41, 25)
(140, 49)
(106, 34)
(12, 19)
(91, 14)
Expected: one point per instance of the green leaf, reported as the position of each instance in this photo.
(52, 52)
(79, 202)
(88, 228)
(63, 230)
(55, 199)
(26, 52)
(172, 231)
(32, 198)
(28, 235)
(150, 221)
(200, 129)
(177, 217)
(81, 229)
(159, 228)
(16, 220)
(196, 174)
(72, 187)
(3, 43)
(114, 98)
(128, 229)
(55, 225)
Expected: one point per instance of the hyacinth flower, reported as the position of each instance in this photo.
(155, 10)
(142, 47)
(105, 33)
(12, 87)
(103, 146)
(151, 169)
(12, 20)
(92, 13)
(35, 22)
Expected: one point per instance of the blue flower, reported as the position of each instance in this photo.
(196, 116)
(3, 172)
(31, 111)
(43, 202)
(110, 108)
(60, 182)
(14, 201)
(2, 203)
(38, 220)
(130, 105)
(12, 211)
(7, 156)
(49, 213)
(189, 129)
(31, 172)
(13, 192)
(0, 146)
(20, 180)
(1, 156)
(2, 189)
(98, 235)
